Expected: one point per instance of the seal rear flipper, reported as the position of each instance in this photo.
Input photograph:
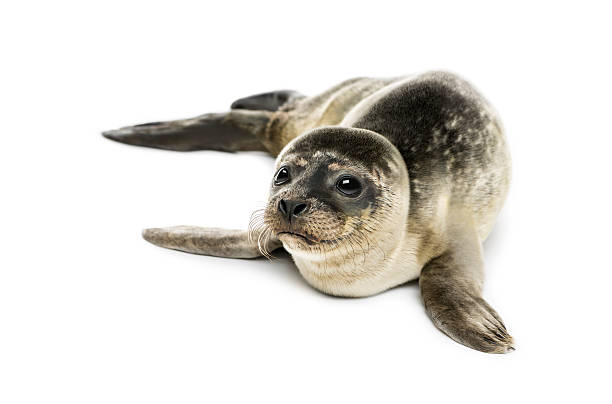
(210, 241)
(270, 101)
(231, 131)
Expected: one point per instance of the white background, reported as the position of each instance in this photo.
(91, 313)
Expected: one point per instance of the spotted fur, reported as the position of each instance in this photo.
(432, 157)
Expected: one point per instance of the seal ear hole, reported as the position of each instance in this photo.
(282, 176)
(348, 185)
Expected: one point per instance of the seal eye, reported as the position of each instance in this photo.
(281, 176)
(348, 185)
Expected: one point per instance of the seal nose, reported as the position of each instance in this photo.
(291, 208)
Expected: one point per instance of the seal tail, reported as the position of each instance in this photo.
(237, 130)
(270, 101)
(232, 131)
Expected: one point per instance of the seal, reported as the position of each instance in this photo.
(377, 182)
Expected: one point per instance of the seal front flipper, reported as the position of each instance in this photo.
(232, 131)
(270, 101)
(211, 241)
(451, 291)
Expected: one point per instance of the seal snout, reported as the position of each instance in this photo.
(291, 209)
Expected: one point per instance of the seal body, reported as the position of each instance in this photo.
(378, 182)
(454, 151)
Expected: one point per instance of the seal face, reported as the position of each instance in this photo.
(327, 197)
(377, 182)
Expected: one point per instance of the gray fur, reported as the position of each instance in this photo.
(433, 158)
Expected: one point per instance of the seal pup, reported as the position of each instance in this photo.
(377, 182)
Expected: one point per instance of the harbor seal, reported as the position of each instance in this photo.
(377, 182)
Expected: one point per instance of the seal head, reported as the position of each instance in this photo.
(338, 193)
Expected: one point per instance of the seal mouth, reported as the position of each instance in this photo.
(297, 235)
